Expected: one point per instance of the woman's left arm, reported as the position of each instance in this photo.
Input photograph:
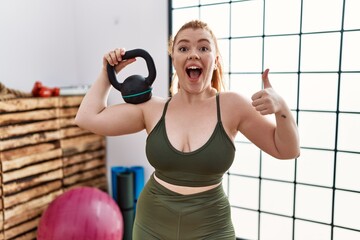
(286, 137)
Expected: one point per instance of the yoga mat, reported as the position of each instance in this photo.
(125, 199)
(138, 180)
(125, 190)
(128, 216)
(114, 172)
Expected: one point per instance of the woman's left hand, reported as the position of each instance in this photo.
(267, 101)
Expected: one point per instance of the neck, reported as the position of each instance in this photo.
(192, 98)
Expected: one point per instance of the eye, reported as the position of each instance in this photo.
(183, 49)
(204, 49)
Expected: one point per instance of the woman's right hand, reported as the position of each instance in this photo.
(114, 58)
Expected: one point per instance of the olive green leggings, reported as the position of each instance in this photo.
(166, 215)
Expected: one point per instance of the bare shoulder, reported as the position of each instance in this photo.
(152, 111)
(231, 101)
(154, 102)
(234, 110)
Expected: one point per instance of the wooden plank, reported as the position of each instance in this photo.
(26, 104)
(29, 139)
(29, 194)
(100, 182)
(33, 158)
(78, 158)
(80, 144)
(32, 181)
(72, 132)
(34, 203)
(27, 236)
(28, 150)
(83, 166)
(66, 122)
(24, 216)
(70, 101)
(22, 129)
(83, 176)
(31, 116)
(68, 112)
(32, 170)
(22, 228)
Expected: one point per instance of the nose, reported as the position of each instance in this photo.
(193, 55)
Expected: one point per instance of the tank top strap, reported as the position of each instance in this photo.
(165, 108)
(218, 107)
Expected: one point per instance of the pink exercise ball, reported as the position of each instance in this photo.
(82, 213)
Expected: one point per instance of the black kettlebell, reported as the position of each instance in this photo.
(135, 89)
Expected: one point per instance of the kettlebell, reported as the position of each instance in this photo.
(135, 89)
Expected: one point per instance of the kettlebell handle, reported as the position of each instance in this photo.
(149, 63)
(133, 54)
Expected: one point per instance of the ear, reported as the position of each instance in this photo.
(216, 63)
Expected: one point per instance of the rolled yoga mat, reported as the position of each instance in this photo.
(125, 190)
(114, 172)
(128, 217)
(138, 179)
(126, 201)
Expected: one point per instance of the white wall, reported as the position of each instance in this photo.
(61, 43)
(37, 43)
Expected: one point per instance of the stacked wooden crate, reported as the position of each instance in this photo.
(83, 152)
(42, 154)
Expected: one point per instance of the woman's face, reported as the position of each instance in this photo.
(194, 59)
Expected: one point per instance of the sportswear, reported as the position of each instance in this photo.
(202, 167)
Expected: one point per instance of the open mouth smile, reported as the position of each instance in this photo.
(193, 72)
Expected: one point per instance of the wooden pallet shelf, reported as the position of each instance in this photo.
(43, 154)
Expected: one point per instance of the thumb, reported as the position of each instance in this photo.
(265, 79)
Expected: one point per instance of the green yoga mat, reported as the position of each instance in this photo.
(125, 200)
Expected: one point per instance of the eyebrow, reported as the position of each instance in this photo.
(200, 40)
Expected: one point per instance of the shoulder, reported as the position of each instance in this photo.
(229, 100)
(235, 109)
(154, 102)
(152, 111)
(153, 106)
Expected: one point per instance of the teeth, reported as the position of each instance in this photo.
(193, 67)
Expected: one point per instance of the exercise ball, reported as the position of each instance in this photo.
(82, 213)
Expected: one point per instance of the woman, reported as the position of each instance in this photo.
(190, 137)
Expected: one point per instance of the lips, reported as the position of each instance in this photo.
(193, 72)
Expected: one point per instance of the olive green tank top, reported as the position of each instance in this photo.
(202, 167)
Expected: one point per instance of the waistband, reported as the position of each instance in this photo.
(216, 191)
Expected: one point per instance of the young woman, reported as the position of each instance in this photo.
(190, 137)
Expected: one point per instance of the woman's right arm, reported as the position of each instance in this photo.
(94, 114)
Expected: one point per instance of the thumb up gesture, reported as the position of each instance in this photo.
(267, 101)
